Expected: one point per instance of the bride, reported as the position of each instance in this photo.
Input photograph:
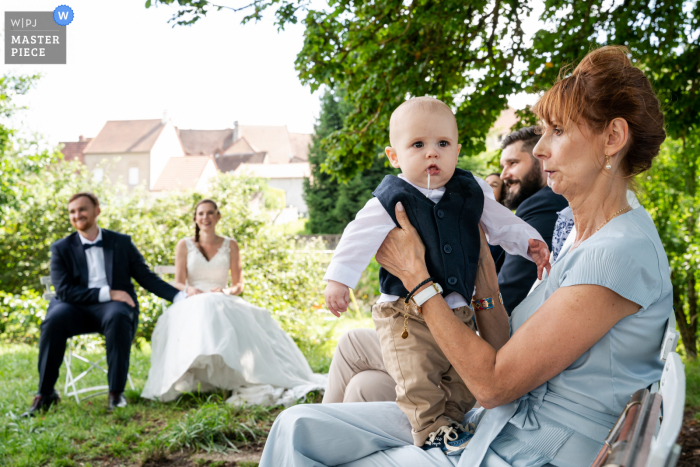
(215, 339)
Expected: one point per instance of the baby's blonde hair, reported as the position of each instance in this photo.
(423, 103)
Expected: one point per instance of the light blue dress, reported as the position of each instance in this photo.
(561, 423)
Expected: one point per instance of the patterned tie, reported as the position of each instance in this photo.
(87, 246)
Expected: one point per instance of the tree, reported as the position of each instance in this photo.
(472, 56)
(333, 204)
(17, 155)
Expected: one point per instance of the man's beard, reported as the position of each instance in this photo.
(529, 185)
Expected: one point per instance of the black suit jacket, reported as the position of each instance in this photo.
(69, 270)
(517, 274)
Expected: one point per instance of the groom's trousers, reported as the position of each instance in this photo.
(117, 321)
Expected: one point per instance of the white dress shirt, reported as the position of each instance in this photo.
(363, 237)
(97, 274)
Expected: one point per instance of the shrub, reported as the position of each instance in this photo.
(287, 284)
(21, 316)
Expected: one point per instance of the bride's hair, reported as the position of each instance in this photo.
(194, 218)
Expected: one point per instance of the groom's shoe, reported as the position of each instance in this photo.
(41, 404)
(116, 399)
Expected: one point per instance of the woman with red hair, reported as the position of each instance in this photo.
(553, 381)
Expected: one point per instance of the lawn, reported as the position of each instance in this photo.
(196, 430)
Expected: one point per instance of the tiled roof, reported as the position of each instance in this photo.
(75, 149)
(275, 140)
(240, 147)
(505, 121)
(182, 173)
(231, 163)
(293, 170)
(205, 142)
(300, 145)
(121, 136)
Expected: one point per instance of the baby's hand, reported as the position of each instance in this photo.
(337, 297)
(539, 253)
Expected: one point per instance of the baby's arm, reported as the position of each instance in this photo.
(359, 243)
(513, 234)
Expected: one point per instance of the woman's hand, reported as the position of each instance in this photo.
(222, 290)
(193, 291)
(403, 252)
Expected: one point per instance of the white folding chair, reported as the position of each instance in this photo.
(664, 451)
(72, 354)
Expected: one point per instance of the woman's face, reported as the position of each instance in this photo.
(572, 158)
(206, 217)
(496, 185)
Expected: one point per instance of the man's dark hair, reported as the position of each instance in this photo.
(527, 135)
(87, 195)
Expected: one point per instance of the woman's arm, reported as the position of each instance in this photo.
(180, 265)
(181, 269)
(236, 271)
(566, 325)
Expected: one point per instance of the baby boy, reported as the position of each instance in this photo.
(446, 206)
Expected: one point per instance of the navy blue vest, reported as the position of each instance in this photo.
(449, 230)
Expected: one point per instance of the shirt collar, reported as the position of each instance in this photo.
(85, 241)
(432, 193)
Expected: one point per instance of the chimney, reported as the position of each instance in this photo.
(165, 118)
(235, 131)
(81, 139)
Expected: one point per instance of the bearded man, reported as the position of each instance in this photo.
(533, 201)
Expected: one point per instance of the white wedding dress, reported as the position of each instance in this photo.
(213, 340)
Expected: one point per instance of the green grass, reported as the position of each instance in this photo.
(85, 434)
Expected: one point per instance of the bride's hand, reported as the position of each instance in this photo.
(193, 291)
(219, 289)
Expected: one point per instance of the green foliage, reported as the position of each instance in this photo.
(21, 316)
(287, 284)
(692, 383)
(669, 192)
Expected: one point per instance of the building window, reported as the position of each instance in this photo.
(133, 176)
(98, 174)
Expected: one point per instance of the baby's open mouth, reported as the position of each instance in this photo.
(433, 169)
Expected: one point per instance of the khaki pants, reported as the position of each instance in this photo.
(428, 389)
(357, 372)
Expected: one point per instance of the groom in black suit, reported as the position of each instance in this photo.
(91, 271)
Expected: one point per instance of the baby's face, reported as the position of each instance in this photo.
(424, 142)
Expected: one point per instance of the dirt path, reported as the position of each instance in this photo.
(689, 439)
(247, 458)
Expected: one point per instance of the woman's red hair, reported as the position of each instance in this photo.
(605, 86)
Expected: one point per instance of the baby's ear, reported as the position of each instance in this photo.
(393, 157)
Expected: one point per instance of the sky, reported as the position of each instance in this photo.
(127, 62)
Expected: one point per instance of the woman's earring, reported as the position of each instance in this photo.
(607, 162)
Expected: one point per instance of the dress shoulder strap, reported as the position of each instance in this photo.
(226, 246)
(190, 244)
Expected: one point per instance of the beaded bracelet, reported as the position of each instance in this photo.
(485, 304)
